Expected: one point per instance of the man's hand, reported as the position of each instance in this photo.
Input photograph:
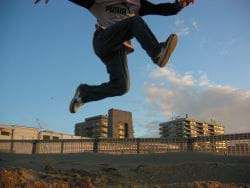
(184, 3)
(37, 1)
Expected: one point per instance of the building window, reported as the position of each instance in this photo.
(90, 132)
(126, 135)
(55, 138)
(46, 137)
(5, 133)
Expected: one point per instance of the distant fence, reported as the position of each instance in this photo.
(230, 144)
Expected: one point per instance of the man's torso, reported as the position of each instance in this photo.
(109, 12)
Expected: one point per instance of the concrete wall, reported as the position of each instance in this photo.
(8, 132)
(25, 133)
(18, 132)
(117, 119)
(66, 136)
(5, 133)
(54, 136)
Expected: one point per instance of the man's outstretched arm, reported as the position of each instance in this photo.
(164, 9)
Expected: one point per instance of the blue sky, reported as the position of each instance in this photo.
(46, 51)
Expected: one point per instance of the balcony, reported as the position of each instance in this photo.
(187, 129)
(103, 130)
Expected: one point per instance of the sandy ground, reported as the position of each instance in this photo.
(104, 170)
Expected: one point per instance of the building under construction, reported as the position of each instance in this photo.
(117, 124)
(188, 127)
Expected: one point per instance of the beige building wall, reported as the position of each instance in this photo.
(9, 132)
(50, 135)
(18, 132)
(25, 133)
(67, 136)
(188, 127)
(5, 132)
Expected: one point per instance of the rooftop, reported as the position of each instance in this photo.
(212, 122)
(15, 126)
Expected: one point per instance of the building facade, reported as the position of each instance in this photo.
(118, 124)
(93, 127)
(51, 135)
(15, 132)
(188, 127)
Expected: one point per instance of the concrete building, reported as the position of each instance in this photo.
(188, 127)
(50, 135)
(15, 132)
(118, 124)
(93, 127)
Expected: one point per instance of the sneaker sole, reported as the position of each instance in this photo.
(169, 50)
(71, 106)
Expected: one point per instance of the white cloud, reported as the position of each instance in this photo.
(173, 77)
(198, 97)
(182, 28)
(228, 46)
(151, 130)
(195, 26)
(235, 41)
(203, 80)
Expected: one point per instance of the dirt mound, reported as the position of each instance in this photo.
(107, 177)
(85, 170)
(10, 178)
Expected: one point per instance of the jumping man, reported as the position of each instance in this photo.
(118, 21)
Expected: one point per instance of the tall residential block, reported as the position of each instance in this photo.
(188, 127)
(93, 127)
(118, 124)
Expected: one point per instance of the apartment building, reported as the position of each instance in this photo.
(117, 124)
(189, 127)
(120, 124)
(93, 127)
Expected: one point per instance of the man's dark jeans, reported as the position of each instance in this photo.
(108, 46)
